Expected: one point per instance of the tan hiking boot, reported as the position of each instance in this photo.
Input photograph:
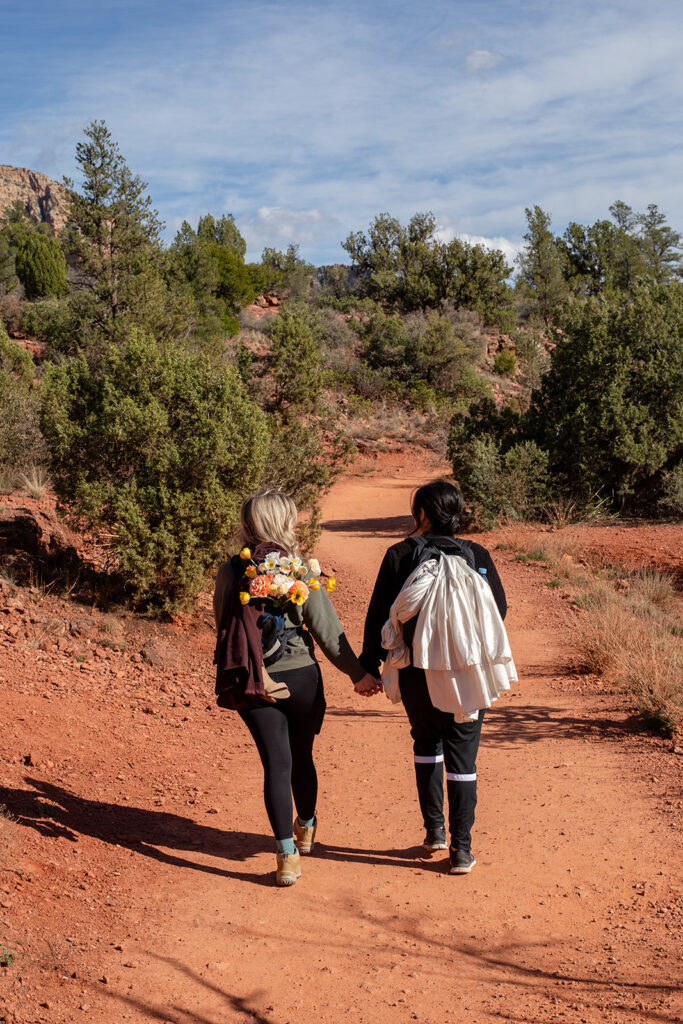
(288, 868)
(305, 837)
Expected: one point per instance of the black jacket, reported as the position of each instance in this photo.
(398, 563)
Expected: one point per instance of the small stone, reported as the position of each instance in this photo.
(212, 810)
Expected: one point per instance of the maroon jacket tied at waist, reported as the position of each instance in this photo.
(239, 655)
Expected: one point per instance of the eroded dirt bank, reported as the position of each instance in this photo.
(140, 882)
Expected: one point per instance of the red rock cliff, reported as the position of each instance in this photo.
(43, 199)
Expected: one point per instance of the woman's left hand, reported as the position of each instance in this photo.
(368, 685)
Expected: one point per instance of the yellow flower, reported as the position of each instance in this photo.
(245, 553)
(298, 593)
(250, 571)
(314, 584)
(331, 584)
(244, 597)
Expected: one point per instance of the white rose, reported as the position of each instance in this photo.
(314, 566)
(281, 585)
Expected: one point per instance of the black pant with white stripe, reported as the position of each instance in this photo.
(437, 738)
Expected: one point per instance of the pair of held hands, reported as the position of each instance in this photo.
(368, 685)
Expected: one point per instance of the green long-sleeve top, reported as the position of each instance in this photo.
(319, 617)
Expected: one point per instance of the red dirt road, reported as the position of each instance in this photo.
(139, 885)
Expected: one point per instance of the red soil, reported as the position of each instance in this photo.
(138, 885)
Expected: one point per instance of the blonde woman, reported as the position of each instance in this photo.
(284, 731)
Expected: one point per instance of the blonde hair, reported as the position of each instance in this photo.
(270, 516)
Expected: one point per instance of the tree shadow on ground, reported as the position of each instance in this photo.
(243, 1005)
(388, 526)
(511, 726)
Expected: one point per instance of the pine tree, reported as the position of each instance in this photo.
(114, 235)
(540, 264)
(661, 246)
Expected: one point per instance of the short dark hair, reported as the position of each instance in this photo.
(442, 503)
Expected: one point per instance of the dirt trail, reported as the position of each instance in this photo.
(169, 911)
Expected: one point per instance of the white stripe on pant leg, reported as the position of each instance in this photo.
(419, 759)
(454, 777)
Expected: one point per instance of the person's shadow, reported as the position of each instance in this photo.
(54, 812)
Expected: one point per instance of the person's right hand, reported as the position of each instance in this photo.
(368, 685)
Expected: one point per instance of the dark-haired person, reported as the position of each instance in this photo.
(437, 509)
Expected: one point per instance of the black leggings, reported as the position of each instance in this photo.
(284, 733)
(437, 737)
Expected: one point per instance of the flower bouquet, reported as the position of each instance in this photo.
(282, 578)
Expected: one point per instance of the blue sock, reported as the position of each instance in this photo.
(309, 823)
(285, 845)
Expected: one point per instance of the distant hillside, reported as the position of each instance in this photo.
(43, 199)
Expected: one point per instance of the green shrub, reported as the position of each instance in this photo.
(63, 324)
(470, 387)
(526, 483)
(307, 448)
(158, 448)
(41, 267)
(297, 362)
(505, 363)
(505, 318)
(304, 458)
(671, 500)
(21, 443)
(513, 485)
(610, 407)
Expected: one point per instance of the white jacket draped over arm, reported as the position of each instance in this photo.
(460, 640)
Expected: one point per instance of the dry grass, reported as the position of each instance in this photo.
(599, 632)
(398, 424)
(626, 624)
(35, 481)
(656, 589)
(563, 511)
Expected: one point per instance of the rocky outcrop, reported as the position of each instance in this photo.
(43, 199)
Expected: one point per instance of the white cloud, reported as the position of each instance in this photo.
(480, 60)
(510, 250)
(446, 230)
(277, 226)
(307, 122)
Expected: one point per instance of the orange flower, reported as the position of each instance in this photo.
(298, 592)
(331, 584)
(314, 583)
(245, 553)
(260, 585)
(244, 597)
(250, 571)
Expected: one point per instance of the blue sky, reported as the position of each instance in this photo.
(305, 120)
